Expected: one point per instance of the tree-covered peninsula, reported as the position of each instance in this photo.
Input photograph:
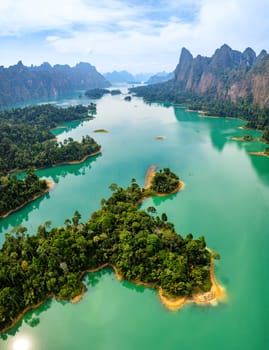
(27, 141)
(15, 193)
(140, 247)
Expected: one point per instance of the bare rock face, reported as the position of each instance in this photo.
(228, 74)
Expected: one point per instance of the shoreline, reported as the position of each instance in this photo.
(261, 154)
(216, 294)
(243, 139)
(212, 297)
(149, 176)
(50, 185)
(73, 162)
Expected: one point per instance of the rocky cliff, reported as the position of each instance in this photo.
(228, 75)
(20, 83)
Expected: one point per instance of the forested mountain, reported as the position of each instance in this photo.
(228, 84)
(228, 75)
(20, 83)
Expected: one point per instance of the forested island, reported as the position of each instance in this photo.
(27, 142)
(138, 244)
(98, 93)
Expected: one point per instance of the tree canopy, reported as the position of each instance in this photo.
(142, 247)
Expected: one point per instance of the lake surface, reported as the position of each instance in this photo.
(225, 198)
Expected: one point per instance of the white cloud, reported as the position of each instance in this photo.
(140, 36)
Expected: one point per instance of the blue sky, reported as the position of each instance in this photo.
(134, 35)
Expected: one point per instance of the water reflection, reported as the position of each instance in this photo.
(16, 218)
(67, 127)
(62, 171)
(31, 318)
(261, 166)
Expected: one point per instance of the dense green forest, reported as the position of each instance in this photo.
(26, 142)
(164, 181)
(26, 139)
(15, 192)
(256, 117)
(141, 246)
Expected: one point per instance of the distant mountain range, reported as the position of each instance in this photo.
(20, 83)
(160, 77)
(117, 77)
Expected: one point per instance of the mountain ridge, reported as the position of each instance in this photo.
(19, 83)
(228, 74)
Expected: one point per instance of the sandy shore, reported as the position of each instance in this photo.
(242, 139)
(50, 185)
(215, 295)
(261, 154)
(149, 177)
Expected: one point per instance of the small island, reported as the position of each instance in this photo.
(261, 154)
(159, 137)
(139, 245)
(101, 131)
(246, 138)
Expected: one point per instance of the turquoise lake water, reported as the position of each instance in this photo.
(225, 198)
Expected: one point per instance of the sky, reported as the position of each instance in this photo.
(134, 35)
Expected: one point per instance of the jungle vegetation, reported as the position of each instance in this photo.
(27, 142)
(15, 192)
(142, 247)
(256, 117)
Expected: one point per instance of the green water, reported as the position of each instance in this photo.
(226, 198)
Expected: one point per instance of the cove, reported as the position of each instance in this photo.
(225, 198)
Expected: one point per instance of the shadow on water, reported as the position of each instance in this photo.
(158, 200)
(31, 318)
(69, 126)
(218, 129)
(261, 167)
(92, 279)
(17, 217)
(56, 173)
(63, 170)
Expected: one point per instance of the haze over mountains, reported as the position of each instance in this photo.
(19, 83)
(226, 75)
(117, 77)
